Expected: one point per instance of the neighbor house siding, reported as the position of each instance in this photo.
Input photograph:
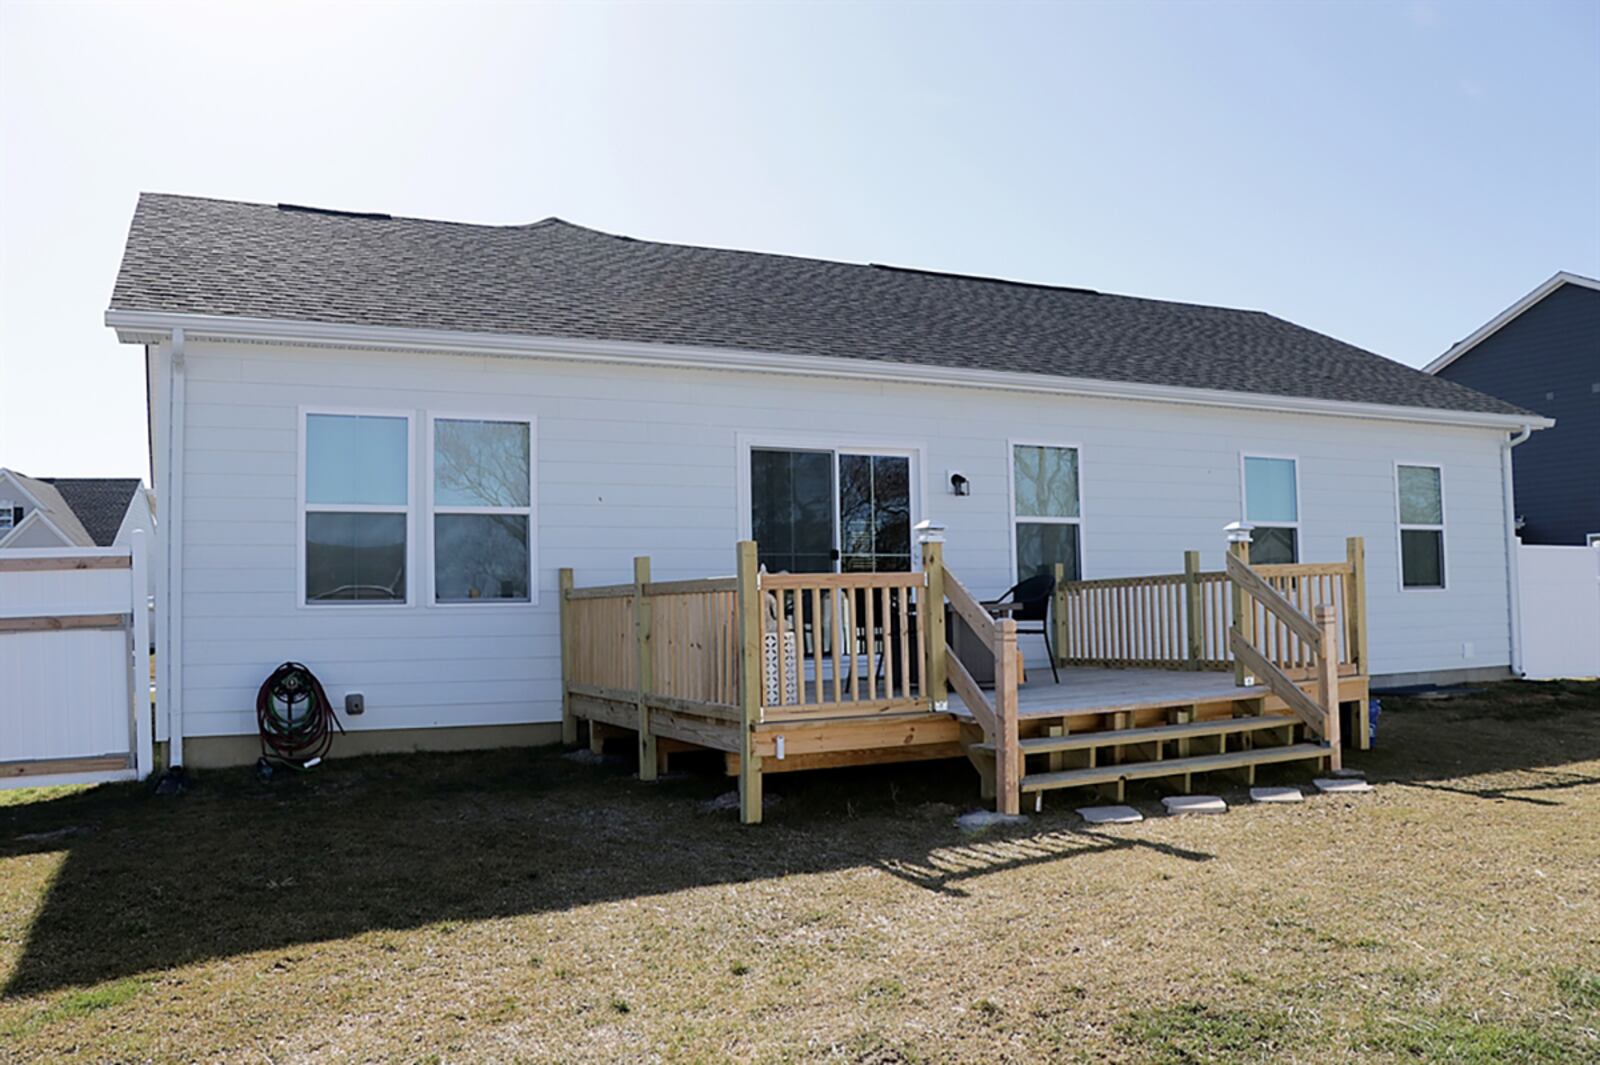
(637, 460)
(1547, 359)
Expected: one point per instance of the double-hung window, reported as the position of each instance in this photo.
(1046, 511)
(1421, 504)
(355, 524)
(482, 504)
(1272, 505)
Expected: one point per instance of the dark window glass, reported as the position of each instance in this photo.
(1422, 558)
(355, 557)
(1040, 546)
(791, 509)
(1270, 547)
(480, 556)
(875, 513)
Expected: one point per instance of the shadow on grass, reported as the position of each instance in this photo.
(403, 842)
(1499, 742)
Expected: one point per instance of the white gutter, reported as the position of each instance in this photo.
(173, 519)
(1513, 548)
(140, 327)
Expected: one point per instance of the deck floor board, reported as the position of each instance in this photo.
(1091, 691)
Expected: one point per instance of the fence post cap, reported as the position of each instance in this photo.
(1238, 531)
(929, 531)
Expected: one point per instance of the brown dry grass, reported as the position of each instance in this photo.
(520, 906)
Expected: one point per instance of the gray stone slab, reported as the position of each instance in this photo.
(1178, 805)
(1110, 815)
(1276, 795)
(1335, 786)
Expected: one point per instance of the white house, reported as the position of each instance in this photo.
(71, 511)
(376, 440)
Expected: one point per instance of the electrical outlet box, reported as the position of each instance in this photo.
(355, 704)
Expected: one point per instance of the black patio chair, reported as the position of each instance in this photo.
(1029, 601)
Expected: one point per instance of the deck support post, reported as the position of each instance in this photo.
(1355, 608)
(1328, 681)
(569, 723)
(1194, 623)
(1058, 617)
(1008, 752)
(748, 615)
(1243, 606)
(930, 619)
(643, 648)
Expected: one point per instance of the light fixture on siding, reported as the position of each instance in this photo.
(959, 485)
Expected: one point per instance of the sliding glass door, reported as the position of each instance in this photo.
(827, 511)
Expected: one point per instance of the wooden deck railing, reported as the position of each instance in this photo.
(1316, 637)
(708, 660)
(1182, 620)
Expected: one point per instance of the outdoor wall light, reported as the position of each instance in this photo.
(959, 485)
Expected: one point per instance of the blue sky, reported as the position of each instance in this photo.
(1393, 174)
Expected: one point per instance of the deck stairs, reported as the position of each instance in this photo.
(1175, 751)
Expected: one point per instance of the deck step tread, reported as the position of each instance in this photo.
(1227, 726)
(1171, 767)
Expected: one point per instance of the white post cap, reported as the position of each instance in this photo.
(930, 532)
(1238, 531)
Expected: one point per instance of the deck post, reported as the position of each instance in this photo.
(748, 600)
(1355, 608)
(1243, 608)
(643, 649)
(1008, 752)
(569, 723)
(1328, 680)
(930, 616)
(1058, 616)
(1192, 608)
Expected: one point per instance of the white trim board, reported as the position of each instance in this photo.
(142, 327)
(1505, 317)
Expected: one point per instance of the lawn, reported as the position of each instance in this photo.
(525, 905)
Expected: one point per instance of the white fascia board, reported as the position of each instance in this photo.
(1499, 321)
(8, 477)
(147, 327)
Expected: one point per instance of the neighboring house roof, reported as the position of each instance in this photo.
(1499, 321)
(194, 256)
(52, 509)
(100, 503)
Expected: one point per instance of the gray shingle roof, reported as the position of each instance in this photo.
(552, 278)
(99, 502)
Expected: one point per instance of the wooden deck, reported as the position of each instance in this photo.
(1085, 690)
(1163, 677)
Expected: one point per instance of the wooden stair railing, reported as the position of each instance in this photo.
(1319, 634)
(998, 719)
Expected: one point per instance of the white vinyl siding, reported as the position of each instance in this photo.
(645, 461)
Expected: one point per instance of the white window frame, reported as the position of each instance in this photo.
(1011, 503)
(6, 508)
(1402, 526)
(302, 508)
(834, 443)
(1592, 540)
(532, 510)
(1299, 509)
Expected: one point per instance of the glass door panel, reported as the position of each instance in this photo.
(874, 513)
(791, 500)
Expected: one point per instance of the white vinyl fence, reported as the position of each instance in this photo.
(74, 665)
(1560, 593)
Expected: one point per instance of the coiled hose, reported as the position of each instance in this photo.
(294, 717)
